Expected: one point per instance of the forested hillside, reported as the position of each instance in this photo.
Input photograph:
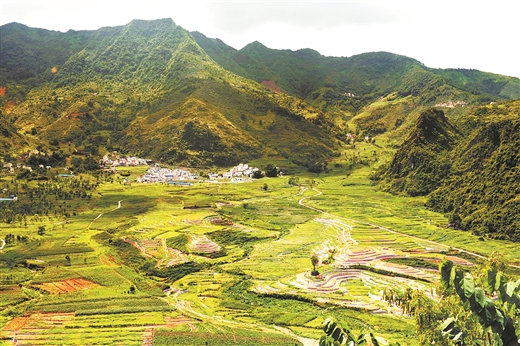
(481, 192)
(147, 88)
(329, 82)
(469, 171)
(422, 162)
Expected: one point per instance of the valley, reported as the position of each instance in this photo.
(272, 197)
(134, 266)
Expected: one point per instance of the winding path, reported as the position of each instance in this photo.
(3, 244)
(97, 217)
(301, 202)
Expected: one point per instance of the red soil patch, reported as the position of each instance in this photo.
(65, 286)
(10, 290)
(271, 84)
(108, 261)
(16, 324)
(73, 116)
(178, 321)
(29, 330)
(459, 261)
(10, 104)
(221, 222)
(3, 90)
(203, 245)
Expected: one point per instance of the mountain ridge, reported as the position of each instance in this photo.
(126, 77)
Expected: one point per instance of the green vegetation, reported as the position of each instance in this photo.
(490, 316)
(89, 255)
(421, 164)
(469, 174)
(165, 99)
(128, 262)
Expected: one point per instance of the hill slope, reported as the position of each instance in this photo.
(421, 163)
(324, 80)
(482, 190)
(469, 172)
(10, 137)
(148, 88)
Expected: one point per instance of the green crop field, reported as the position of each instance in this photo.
(222, 263)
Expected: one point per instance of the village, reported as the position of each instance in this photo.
(451, 104)
(114, 160)
(158, 174)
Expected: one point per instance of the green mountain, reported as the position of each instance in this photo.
(421, 163)
(152, 89)
(28, 56)
(468, 169)
(324, 80)
(476, 82)
(149, 89)
(482, 190)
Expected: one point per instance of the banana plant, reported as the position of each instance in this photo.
(451, 330)
(473, 298)
(337, 334)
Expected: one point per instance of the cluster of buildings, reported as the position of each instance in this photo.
(240, 171)
(451, 104)
(114, 160)
(157, 174)
(351, 138)
(14, 167)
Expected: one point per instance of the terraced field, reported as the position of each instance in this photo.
(133, 266)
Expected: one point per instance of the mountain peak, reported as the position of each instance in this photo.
(151, 26)
(254, 45)
(162, 21)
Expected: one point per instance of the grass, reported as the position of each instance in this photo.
(234, 337)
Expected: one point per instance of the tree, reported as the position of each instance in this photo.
(316, 167)
(314, 260)
(294, 181)
(265, 187)
(492, 317)
(271, 171)
(76, 162)
(465, 314)
(258, 174)
(41, 230)
(91, 164)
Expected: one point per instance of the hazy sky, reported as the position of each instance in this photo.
(482, 35)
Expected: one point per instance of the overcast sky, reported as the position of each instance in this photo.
(481, 35)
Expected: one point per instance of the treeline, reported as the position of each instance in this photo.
(49, 198)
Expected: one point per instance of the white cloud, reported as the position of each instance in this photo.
(244, 16)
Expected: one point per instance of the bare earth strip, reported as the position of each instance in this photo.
(97, 217)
